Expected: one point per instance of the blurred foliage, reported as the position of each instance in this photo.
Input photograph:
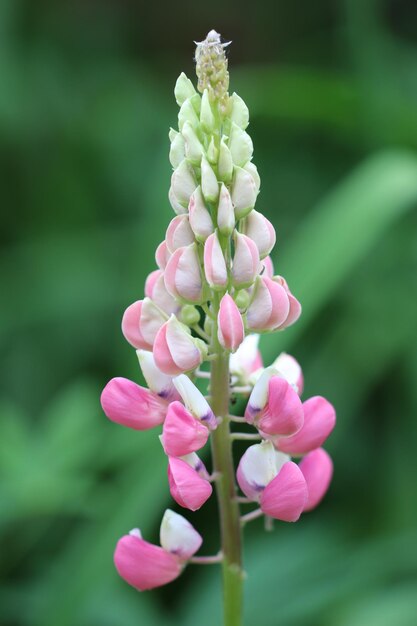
(85, 105)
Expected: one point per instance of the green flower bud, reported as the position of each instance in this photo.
(240, 112)
(244, 192)
(212, 152)
(193, 148)
(202, 346)
(183, 89)
(209, 184)
(242, 299)
(190, 315)
(177, 149)
(208, 325)
(240, 145)
(207, 119)
(225, 163)
(187, 113)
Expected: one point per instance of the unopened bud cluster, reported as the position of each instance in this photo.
(214, 290)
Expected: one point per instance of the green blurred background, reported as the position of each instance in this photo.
(86, 100)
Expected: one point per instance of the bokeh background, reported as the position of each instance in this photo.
(86, 101)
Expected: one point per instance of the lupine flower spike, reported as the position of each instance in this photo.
(212, 293)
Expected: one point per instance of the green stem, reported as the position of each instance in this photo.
(225, 486)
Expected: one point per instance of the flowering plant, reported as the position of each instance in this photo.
(213, 294)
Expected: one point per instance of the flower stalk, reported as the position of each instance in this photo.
(212, 295)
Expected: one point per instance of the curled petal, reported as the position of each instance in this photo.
(175, 350)
(261, 231)
(270, 305)
(319, 421)
(246, 264)
(162, 255)
(231, 331)
(156, 290)
(157, 381)
(178, 536)
(141, 322)
(179, 233)
(143, 565)
(258, 467)
(183, 275)
(317, 468)
(182, 432)
(214, 263)
(126, 403)
(187, 487)
(286, 495)
(295, 307)
(195, 401)
(283, 413)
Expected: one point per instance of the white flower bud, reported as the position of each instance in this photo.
(240, 112)
(243, 192)
(253, 171)
(178, 208)
(193, 148)
(177, 149)
(200, 219)
(240, 145)
(183, 89)
(187, 113)
(225, 164)
(183, 183)
(206, 115)
(225, 212)
(209, 184)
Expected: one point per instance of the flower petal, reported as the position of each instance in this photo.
(187, 487)
(317, 468)
(126, 403)
(182, 432)
(319, 421)
(178, 536)
(285, 496)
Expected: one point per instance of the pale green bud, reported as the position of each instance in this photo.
(253, 171)
(242, 299)
(209, 184)
(183, 183)
(225, 163)
(172, 134)
(200, 218)
(193, 148)
(240, 112)
(183, 89)
(178, 208)
(212, 152)
(202, 346)
(206, 115)
(177, 149)
(187, 113)
(225, 212)
(190, 315)
(240, 145)
(244, 192)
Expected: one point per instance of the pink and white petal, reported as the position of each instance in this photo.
(319, 421)
(184, 352)
(290, 369)
(157, 381)
(231, 331)
(143, 565)
(256, 469)
(187, 487)
(128, 404)
(178, 536)
(283, 414)
(195, 401)
(286, 495)
(162, 255)
(151, 320)
(131, 328)
(182, 432)
(317, 468)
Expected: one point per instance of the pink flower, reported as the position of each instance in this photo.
(270, 478)
(155, 290)
(214, 263)
(146, 566)
(126, 403)
(246, 263)
(246, 360)
(195, 401)
(162, 255)
(274, 406)
(187, 485)
(294, 305)
(231, 331)
(175, 350)
(317, 469)
(183, 275)
(268, 267)
(261, 231)
(141, 322)
(270, 305)
(179, 233)
(319, 421)
(182, 432)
